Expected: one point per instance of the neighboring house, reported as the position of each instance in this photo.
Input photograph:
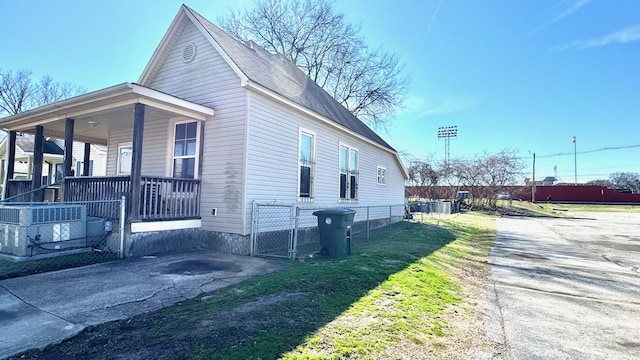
(212, 126)
(547, 181)
(97, 159)
(52, 165)
(52, 159)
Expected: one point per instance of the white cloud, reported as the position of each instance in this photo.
(418, 107)
(627, 35)
(568, 8)
(559, 11)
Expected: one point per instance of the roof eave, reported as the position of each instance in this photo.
(114, 96)
(75, 101)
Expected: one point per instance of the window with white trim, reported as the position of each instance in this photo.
(306, 164)
(348, 173)
(382, 175)
(185, 150)
(125, 152)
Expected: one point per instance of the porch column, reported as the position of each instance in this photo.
(68, 148)
(87, 159)
(38, 156)
(136, 160)
(11, 162)
(30, 167)
(49, 177)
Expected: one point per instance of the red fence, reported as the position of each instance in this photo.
(556, 193)
(578, 193)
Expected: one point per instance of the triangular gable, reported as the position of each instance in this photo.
(269, 74)
(168, 40)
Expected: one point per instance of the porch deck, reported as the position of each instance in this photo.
(161, 198)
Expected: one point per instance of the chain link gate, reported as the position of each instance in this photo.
(272, 230)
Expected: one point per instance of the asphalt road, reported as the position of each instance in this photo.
(567, 288)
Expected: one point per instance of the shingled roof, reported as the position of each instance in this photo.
(279, 75)
(27, 144)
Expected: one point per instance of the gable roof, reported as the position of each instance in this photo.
(272, 72)
(26, 145)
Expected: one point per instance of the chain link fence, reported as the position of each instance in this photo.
(290, 231)
(40, 237)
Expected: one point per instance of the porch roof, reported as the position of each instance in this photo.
(97, 112)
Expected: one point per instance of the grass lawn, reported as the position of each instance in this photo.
(10, 269)
(402, 295)
(592, 207)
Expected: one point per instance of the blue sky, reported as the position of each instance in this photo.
(522, 75)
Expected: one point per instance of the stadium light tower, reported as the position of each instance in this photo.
(447, 132)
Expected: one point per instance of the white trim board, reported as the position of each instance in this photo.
(140, 227)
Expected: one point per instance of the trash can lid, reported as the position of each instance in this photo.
(335, 211)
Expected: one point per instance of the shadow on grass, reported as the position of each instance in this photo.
(266, 316)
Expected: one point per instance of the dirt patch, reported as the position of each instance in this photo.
(264, 301)
(241, 316)
(198, 267)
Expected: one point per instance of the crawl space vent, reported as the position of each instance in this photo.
(189, 53)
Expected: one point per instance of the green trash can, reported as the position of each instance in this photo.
(335, 231)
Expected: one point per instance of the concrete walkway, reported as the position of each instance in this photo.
(38, 310)
(567, 288)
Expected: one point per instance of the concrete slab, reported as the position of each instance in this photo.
(568, 288)
(23, 326)
(38, 310)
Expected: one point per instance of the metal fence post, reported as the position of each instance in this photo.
(252, 241)
(368, 238)
(295, 234)
(123, 214)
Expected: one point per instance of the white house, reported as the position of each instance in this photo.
(211, 126)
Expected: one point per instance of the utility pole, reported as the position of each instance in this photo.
(533, 182)
(575, 161)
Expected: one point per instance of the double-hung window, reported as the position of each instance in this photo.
(306, 164)
(348, 173)
(185, 150)
(125, 152)
(382, 175)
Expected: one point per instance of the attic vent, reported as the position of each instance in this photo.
(189, 52)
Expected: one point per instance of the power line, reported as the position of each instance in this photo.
(592, 151)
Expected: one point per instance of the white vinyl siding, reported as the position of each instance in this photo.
(208, 80)
(272, 174)
(153, 147)
(97, 155)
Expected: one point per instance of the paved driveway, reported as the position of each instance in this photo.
(567, 288)
(46, 308)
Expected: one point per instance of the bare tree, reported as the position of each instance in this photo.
(626, 180)
(317, 38)
(19, 93)
(486, 175)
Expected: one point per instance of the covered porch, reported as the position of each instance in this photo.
(154, 152)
